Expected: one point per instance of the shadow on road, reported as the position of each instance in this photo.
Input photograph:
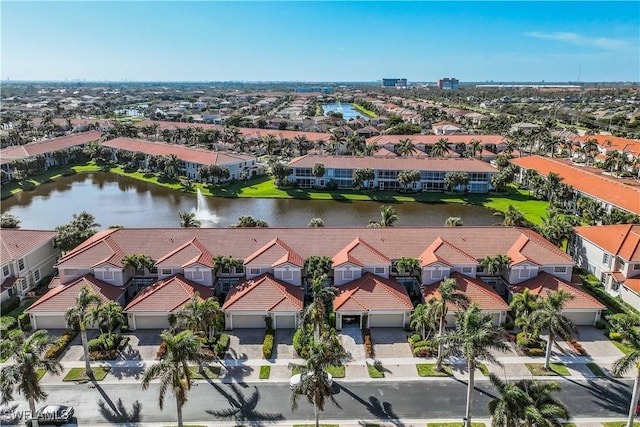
(610, 394)
(380, 410)
(242, 408)
(116, 412)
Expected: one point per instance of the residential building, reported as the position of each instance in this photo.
(339, 170)
(448, 83)
(27, 257)
(612, 254)
(269, 278)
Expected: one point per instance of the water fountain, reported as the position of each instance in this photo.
(202, 211)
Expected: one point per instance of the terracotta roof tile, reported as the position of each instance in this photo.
(360, 253)
(22, 151)
(476, 291)
(275, 253)
(168, 295)
(444, 252)
(60, 298)
(432, 139)
(546, 282)
(15, 243)
(622, 240)
(633, 284)
(373, 293)
(264, 293)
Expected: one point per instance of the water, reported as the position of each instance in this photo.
(347, 110)
(118, 200)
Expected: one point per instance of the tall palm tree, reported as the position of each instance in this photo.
(496, 264)
(590, 148)
(474, 338)
(388, 216)
(548, 317)
(201, 315)
(405, 147)
(523, 304)
(28, 359)
(173, 370)
(440, 148)
(508, 409)
(302, 144)
(512, 217)
(78, 317)
(188, 220)
(316, 312)
(108, 316)
(422, 320)
(622, 365)
(314, 384)
(448, 295)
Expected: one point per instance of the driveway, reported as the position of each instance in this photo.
(351, 339)
(284, 344)
(245, 344)
(143, 345)
(390, 343)
(594, 342)
(75, 352)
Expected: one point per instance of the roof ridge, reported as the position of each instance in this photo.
(174, 251)
(149, 290)
(454, 247)
(386, 283)
(483, 287)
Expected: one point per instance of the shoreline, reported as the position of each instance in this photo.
(263, 187)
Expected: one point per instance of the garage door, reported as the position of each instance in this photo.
(581, 318)
(50, 322)
(386, 320)
(241, 321)
(152, 322)
(285, 322)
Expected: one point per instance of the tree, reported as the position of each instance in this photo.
(107, 316)
(388, 217)
(508, 409)
(70, 235)
(318, 170)
(9, 221)
(408, 177)
(622, 365)
(406, 266)
(448, 295)
(512, 217)
(173, 370)
(590, 210)
(314, 384)
(247, 221)
(360, 176)
(79, 316)
(523, 304)
(548, 317)
(496, 264)
(316, 222)
(317, 267)
(28, 359)
(172, 165)
(556, 227)
(188, 220)
(474, 338)
(422, 320)
(280, 172)
(201, 315)
(440, 148)
(453, 221)
(453, 180)
(405, 147)
(316, 312)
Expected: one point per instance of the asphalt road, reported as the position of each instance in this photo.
(213, 401)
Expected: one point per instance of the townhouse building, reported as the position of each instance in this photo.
(264, 273)
(340, 169)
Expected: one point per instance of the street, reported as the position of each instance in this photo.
(211, 401)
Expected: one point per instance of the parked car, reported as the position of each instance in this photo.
(54, 414)
(297, 378)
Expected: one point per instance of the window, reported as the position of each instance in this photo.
(606, 258)
(166, 271)
(347, 274)
(378, 270)
(254, 271)
(523, 273)
(603, 278)
(5, 271)
(436, 274)
(197, 274)
(287, 274)
(226, 269)
(107, 274)
(636, 266)
(239, 269)
(21, 264)
(467, 270)
(36, 276)
(559, 269)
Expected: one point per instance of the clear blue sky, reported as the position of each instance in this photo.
(320, 41)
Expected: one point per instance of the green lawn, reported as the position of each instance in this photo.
(336, 371)
(40, 373)
(428, 370)
(313, 425)
(210, 372)
(596, 370)
(454, 424)
(622, 347)
(375, 370)
(619, 424)
(265, 372)
(537, 369)
(78, 374)
(484, 369)
(359, 108)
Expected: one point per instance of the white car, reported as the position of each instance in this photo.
(297, 378)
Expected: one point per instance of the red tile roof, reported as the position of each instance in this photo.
(275, 253)
(61, 298)
(240, 243)
(264, 293)
(611, 142)
(622, 240)
(633, 284)
(15, 243)
(546, 282)
(191, 252)
(603, 188)
(187, 154)
(398, 163)
(444, 252)
(373, 293)
(11, 153)
(168, 295)
(360, 253)
(432, 139)
(475, 289)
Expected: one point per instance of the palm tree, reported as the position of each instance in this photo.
(78, 317)
(548, 317)
(508, 409)
(454, 221)
(474, 338)
(495, 265)
(405, 147)
(622, 365)
(523, 304)
(408, 266)
(314, 385)
(316, 312)
(172, 165)
(28, 359)
(188, 220)
(422, 320)
(448, 295)
(590, 148)
(388, 216)
(302, 144)
(108, 316)
(201, 315)
(173, 370)
(440, 148)
(512, 217)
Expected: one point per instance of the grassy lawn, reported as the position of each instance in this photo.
(484, 369)
(596, 370)
(336, 371)
(454, 424)
(40, 373)
(537, 369)
(622, 347)
(375, 371)
(265, 372)
(359, 108)
(78, 374)
(313, 425)
(618, 424)
(569, 425)
(428, 370)
(210, 372)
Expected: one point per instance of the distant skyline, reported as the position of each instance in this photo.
(320, 41)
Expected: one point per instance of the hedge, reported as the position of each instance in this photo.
(60, 345)
(10, 305)
(267, 345)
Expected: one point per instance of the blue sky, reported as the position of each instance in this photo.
(320, 41)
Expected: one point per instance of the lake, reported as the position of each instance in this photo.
(347, 110)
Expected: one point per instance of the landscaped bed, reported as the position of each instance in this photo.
(209, 372)
(375, 370)
(429, 370)
(79, 374)
(537, 369)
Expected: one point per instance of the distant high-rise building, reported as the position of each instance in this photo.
(314, 89)
(449, 83)
(394, 82)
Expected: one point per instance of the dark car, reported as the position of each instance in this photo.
(54, 414)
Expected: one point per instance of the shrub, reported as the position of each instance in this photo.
(615, 336)
(222, 345)
(424, 343)
(509, 325)
(7, 323)
(423, 351)
(60, 345)
(10, 304)
(522, 340)
(414, 338)
(267, 345)
(162, 350)
(332, 319)
(24, 321)
(601, 324)
(534, 351)
(103, 355)
(368, 344)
